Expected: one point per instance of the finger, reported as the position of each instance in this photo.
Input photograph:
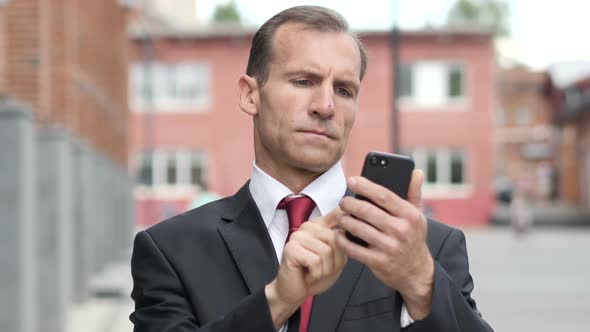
(309, 261)
(368, 212)
(382, 197)
(377, 194)
(415, 189)
(331, 219)
(354, 251)
(363, 230)
(320, 231)
(327, 236)
(375, 216)
(322, 249)
(340, 258)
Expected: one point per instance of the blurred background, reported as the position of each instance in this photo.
(117, 114)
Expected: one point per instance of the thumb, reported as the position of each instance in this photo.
(415, 190)
(330, 219)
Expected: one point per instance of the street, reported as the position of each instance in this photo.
(538, 282)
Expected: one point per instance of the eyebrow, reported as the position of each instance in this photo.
(353, 85)
(303, 72)
(314, 74)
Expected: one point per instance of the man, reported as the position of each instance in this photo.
(216, 268)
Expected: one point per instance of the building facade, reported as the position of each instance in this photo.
(525, 136)
(64, 61)
(568, 88)
(188, 132)
(65, 193)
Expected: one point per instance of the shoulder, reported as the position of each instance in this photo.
(439, 234)
(192, 224)
(198, 227)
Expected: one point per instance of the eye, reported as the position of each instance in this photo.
(344, 92)
(302, 82)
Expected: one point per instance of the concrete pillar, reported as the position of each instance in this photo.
(116, 233)
(18, 238)
(110, 196)
(125, 211)
(118, 218)
(99, 226)
(130, 208)
(55, 214)
(84, 214)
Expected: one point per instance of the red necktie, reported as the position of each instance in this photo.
(298, 210)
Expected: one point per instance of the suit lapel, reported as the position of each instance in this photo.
(329, 306)
(247, 238)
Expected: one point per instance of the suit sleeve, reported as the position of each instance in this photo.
(453, 308)
(161, 304)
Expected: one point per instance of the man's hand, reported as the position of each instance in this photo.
(395, 230)
(310, 265)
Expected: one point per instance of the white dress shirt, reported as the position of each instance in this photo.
(326, 191)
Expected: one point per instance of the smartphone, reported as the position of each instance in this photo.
(391, 171)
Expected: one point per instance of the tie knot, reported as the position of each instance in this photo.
(298, 210)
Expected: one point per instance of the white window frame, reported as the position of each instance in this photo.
(183, 187)
(447, 103)
(167, 74)
(442, 188)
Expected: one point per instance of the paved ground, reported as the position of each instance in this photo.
(539, 282)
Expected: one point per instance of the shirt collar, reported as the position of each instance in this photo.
(326, 191)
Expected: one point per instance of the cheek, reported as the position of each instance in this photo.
(348, 120)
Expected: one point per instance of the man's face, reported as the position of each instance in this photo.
(308, 104)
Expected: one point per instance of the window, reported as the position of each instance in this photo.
(431, 168)
(455, 81)
(405, 80)
(172, 169)
(443, 167)
(457, 161)
(144, 169)
(432, 83)
(170, 86)
(197, 170)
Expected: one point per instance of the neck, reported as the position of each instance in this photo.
(296, 179)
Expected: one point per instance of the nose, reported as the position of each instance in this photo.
(323, 102)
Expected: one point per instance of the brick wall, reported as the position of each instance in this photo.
(68, 59)
(520, 90)
(21, 29)
(2, 50)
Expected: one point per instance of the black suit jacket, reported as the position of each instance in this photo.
(205, 270)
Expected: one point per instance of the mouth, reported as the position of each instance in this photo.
(317, 132)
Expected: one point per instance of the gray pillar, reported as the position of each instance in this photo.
(114, 233)
(118, 202)
(130, 208)
(55, 226)
(83, 237)
(100, 210)
(125, 211)
(109, 193)
(18, 221)
(91, 208)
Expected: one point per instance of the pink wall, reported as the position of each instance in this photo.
(225, 133)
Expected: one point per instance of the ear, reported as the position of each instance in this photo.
(248, 96)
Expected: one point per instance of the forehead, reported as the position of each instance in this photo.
(295, 45)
